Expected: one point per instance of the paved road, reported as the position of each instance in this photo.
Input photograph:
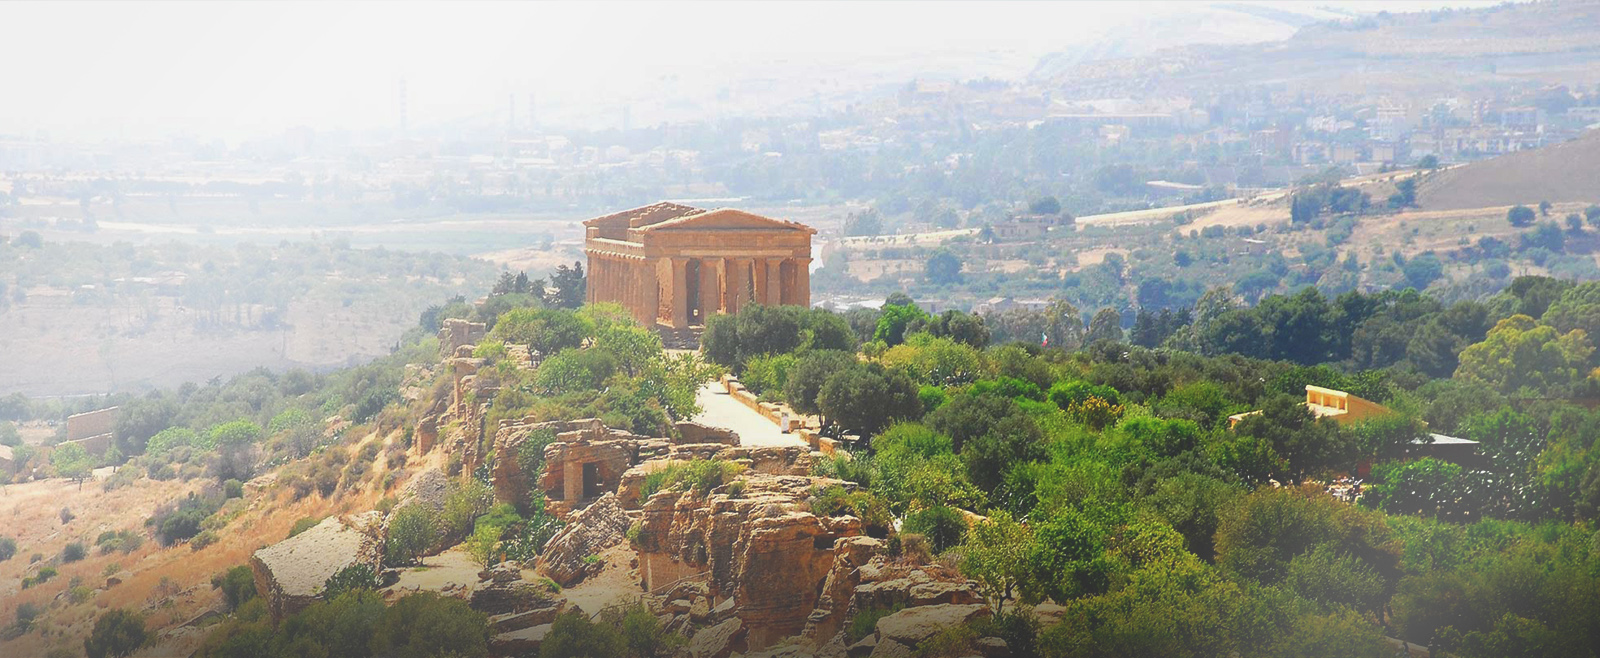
(721, 410)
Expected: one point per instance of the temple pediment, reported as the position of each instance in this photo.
(728, 219)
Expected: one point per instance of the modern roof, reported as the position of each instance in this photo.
(1440, 439)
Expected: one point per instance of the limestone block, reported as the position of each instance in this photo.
(290, 574)
(599, 526)
(718, 641)
(913, 625)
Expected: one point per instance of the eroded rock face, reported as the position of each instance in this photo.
(599, 526)
(762, 548)
(290, 574)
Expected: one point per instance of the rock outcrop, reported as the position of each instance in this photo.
(599, 526)
(290, 574)
(762, 548)
(911, 626)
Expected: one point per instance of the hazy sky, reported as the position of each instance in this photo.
(80, 70)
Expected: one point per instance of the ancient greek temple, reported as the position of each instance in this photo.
(674, 265)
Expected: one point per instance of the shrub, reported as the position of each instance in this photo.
(872, 510)
(203, 540)
(354, 577)
(233, 489)
(73, 552)
(464, 502)
(643, 633)
(175, 522)
(302, 525)
(944, 527)
(67, 516)
(427, 624)
(8, 548)
(699, 475)
(574, 635)
(238, 585)
(116, 633)
(411, 534)
(766, 375)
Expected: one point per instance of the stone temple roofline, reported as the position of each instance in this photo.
(654, 213)
(752, 221)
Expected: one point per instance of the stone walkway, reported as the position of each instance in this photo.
(721, 410)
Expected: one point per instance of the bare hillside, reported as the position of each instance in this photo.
(1565, 172)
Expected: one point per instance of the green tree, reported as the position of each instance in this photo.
(411, 535)
(1308, 444)
(810, 373)
(358, 576)
(996, 556)
(1423, 270)
(544, 330)
(633, 347)
(238, 585)
(71, 462)
(117, 632)
(943, 268)
(944, 527)
(864, 399)
(568, 287)
(893, 321)
(643, 633)
(866, 222)
(426, 624)
(1013, 440)
(1048, 205)
(1518, 352)
(1520, 216)
(1106, 326)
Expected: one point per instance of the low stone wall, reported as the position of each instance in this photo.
(806, 428)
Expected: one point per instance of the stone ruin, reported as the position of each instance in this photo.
(290, 574)
(456, 332)
(588, 459)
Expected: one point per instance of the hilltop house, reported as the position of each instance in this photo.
(1347, 409)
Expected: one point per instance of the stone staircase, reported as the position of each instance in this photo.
(680, 339)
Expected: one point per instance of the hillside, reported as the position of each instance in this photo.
(1557, 173)
(1387, 53)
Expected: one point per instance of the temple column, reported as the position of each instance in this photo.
(649, 293)
(588, 290)
(710, 287)
(680, 293)
(774, 281)
(725, 291)
(802, 283)
(738, 283)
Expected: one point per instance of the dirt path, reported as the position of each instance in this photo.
(721, 410)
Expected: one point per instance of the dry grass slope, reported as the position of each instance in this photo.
(1558, 173)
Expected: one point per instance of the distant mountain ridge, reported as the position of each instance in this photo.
(1443, 49)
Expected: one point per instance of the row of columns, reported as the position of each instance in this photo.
(727, 284)
(625, 280)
